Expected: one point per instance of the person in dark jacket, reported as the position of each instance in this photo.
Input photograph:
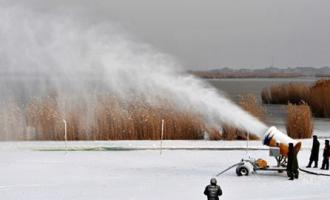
(292, 167)
(213, 191)
(326, 155)
(314, 153)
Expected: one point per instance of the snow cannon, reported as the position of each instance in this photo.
(275, 138)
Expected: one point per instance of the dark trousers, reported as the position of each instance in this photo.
(311, 162)
(294, 173)
(325, 164)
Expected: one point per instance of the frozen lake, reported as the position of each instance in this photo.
(276, 114)
(145, 174)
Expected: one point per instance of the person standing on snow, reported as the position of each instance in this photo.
(314, 153)
(326, 155)
(292, 167)
(213, 191)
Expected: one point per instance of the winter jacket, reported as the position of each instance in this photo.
(213, 192)
(292, 161)
(315, 150)
(326, 152)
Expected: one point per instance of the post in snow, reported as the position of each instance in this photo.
(162, 137)
(65, 135)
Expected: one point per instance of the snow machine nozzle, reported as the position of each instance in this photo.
(275, 138)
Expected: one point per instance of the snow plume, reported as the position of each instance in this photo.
(44, 54)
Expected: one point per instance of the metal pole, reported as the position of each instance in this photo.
(162, 137)
(65, 135)
(247, 143)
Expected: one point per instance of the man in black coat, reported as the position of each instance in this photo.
(326, 155)
(314, 153)
(292, 167)
(213, 191)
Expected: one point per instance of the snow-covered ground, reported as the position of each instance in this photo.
(35, 170)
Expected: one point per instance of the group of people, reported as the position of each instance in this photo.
(213, 191)
(292, 164)
(315, 154)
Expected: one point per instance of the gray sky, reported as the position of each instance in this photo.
(205, 34)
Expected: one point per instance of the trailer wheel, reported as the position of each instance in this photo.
(242, 171)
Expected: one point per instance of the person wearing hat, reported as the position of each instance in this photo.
(213, 191)
(326, 155)
(314, 153)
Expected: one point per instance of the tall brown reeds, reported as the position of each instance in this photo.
(43, 116)
(12, 121)
(250, 104)
(295, 93)
(299, 121)
(213, 133)
(320, 98)
(316, 96)
(108, 119)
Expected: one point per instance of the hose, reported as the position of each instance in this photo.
(228, 168)
(313, 173)
(303, 170)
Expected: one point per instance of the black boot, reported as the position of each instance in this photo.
(291, 178)
(323, 165)
(315, 166)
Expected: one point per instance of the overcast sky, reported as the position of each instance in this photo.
(205, 34)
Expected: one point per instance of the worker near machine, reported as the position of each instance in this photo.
(213, 191)
(326, 155)
(314, 153)
(292, 167)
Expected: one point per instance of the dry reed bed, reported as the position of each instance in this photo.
(316, 96)
(250, 104)
(320, 98)
(109, 118)
(299, 121)
(286, 93)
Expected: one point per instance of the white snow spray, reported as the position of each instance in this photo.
(42, 52)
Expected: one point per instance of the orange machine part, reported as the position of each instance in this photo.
(284, 149)
(262, 164)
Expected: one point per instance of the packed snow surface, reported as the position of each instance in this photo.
(42, 170)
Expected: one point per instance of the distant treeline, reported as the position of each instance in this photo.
(217, 75)
(317, 96)
(271, 72)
